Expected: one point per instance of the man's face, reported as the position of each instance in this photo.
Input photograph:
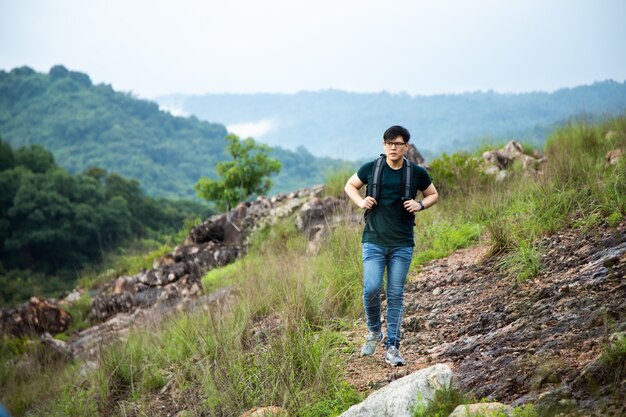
(395, 149)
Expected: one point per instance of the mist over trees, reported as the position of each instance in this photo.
(350, 125)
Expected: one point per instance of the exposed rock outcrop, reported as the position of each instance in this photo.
(414, 155)
(496, 162)
(177, 276)
(87, 343)
(58, 348)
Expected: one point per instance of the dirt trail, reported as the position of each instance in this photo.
(509, 341)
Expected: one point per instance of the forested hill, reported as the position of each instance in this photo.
(87, 125)
(350, 125)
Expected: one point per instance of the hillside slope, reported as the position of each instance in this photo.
(87, 125)
(530, 310)
(517, 342)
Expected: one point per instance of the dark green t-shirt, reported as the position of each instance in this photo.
(388, 223)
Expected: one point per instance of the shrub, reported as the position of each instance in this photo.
(458, 174)
(335, 181)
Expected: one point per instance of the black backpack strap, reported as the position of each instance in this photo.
(407, 179)
(373, 188)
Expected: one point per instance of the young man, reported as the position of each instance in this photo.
(388, 238)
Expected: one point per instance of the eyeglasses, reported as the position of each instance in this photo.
(393, 145)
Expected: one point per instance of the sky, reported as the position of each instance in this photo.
(153, 48)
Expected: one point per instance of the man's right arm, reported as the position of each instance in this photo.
(352, 188)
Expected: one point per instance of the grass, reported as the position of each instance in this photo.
(613, 362)
(437, 236)
(523, 261)
(80, 313)
(220, 277)
(576, 190)
(335, 181)
(127, 261)
(221, 361)
(215, 357)
(445, 400)
(134, 257)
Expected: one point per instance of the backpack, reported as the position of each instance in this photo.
(373, 188)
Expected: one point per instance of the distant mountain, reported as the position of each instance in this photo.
(350, 125)
(86, 125)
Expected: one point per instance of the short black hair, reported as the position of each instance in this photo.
(395, 131)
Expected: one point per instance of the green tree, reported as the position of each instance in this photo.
(7, 160)
(34, 157)
(247, 174)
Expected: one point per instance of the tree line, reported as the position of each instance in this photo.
(86, 125)
(53, 223)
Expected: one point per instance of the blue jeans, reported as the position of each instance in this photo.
(397, 261)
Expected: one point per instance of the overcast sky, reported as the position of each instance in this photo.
(419, 47)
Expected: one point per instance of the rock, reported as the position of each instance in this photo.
(513, 148)
(498, 158)
(491, 170)
(612, 135)
(316, 214)
(617, 336)
(72, 297)
(401, 396)
(414, 155)
(265, 329)
(210, 231)
(87, 368)
(107, 305)
(167, 259)
(612, 157)
(123, 284)
(37, 316)
(482, 410)
(271, 411)
(58, 348)
(497, 161)
(234, 226)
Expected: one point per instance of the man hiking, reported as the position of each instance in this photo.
(390, 206)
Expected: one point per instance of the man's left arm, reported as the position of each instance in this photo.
(430, 199)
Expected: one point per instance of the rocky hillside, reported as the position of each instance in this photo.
(536, 341)
(540, 341)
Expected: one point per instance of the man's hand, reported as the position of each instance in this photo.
(368, 202)
(412, 206)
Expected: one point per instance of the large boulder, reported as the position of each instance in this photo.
(399, 398)
(57, 348)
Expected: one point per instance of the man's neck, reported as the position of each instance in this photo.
(395, 165)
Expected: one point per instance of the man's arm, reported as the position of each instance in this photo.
(430, 199)
(352, 188)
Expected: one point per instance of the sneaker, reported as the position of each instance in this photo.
(393, 357)
(371, 340)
